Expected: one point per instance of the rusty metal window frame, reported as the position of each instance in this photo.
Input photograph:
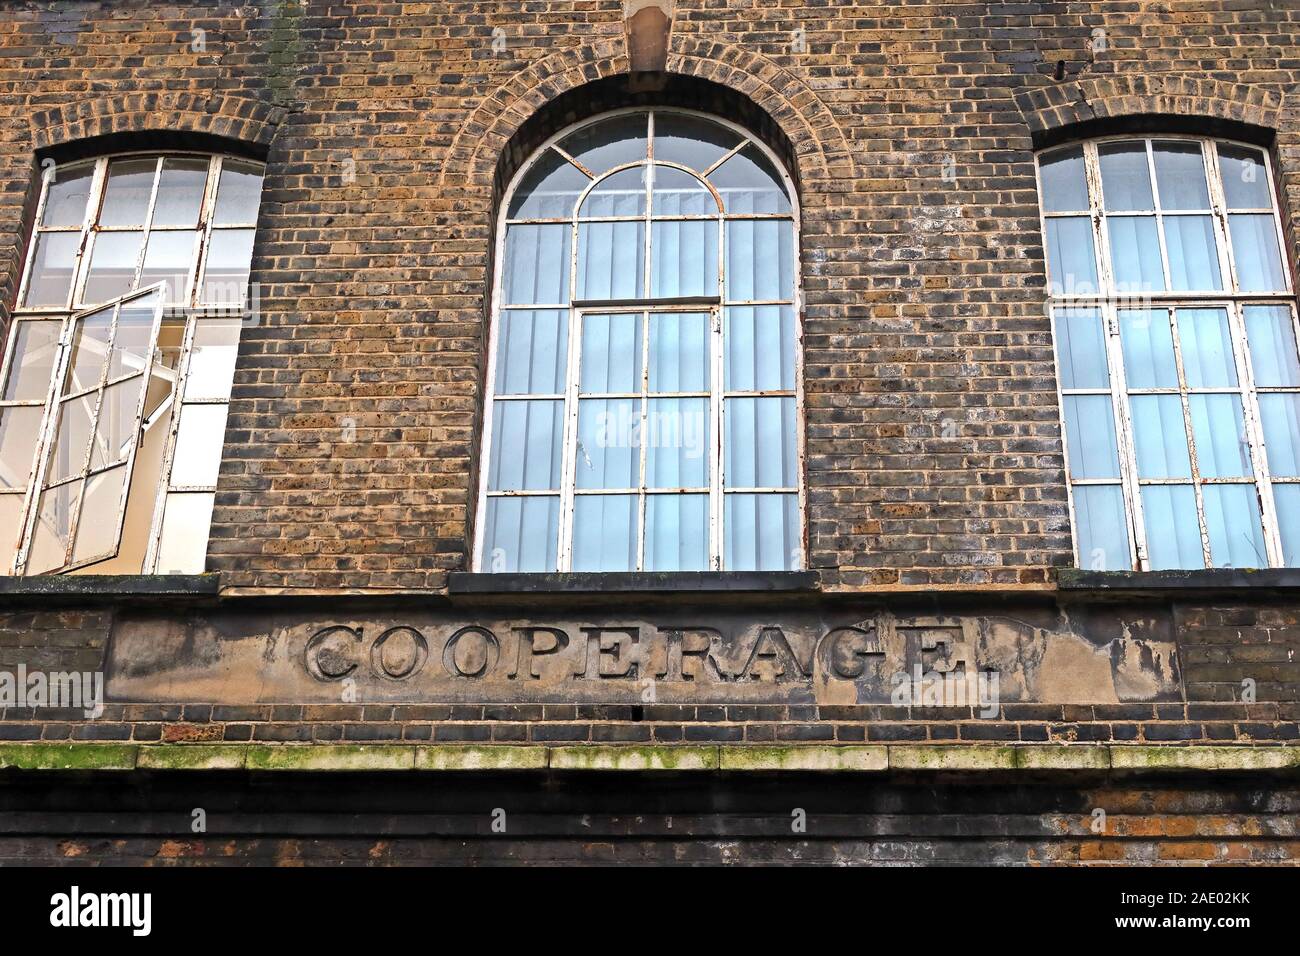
(1110, 301)
(193, 311)
(575, 308)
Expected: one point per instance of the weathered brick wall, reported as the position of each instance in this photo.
(932, 436)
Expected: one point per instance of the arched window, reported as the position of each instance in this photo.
(119, 362)
(1175, 328)
(642, 410)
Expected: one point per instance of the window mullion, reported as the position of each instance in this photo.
(89, 235)
(1219, 214)
(1139, 554)
(1100, 229)
(569, 461)
(644, 442)
(1183, 396)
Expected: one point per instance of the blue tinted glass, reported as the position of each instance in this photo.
(1135, 254)
(762, 532)
(1148, 345)
(1193, 254)
(521, 534)
(1102, 528)
(1220, 435)
(1286, 500)
(677, 533)
(1255, 252)
(1081, 349)
(1272, 345)
(1071, 259)
(1207, 348)
(1090, 436)
(1172, 530)
(1232, 519)
(1159, 437)
(1280, 413)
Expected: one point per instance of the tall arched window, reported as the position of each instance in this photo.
(119, 362)
(1175, 325)
(643, 398)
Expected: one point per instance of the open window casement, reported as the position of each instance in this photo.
(96, 469)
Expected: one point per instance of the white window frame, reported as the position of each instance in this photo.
(1108, 300)
(192, 310)
(715, 305)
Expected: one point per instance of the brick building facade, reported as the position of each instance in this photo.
(343, 650)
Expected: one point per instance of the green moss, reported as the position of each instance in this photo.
(470, 757)
(192, 757)
(331, 757)
(78, 756)
(634, 757)
(810, 757)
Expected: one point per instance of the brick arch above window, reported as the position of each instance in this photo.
(232, 118)
(1077, 109)
(819, 141)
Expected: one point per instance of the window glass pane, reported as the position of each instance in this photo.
(604, 532)
(1286, 501)
(760, 260)
(100, 524)
(66, 195)
(679, 352)
(53, 259)
(1135, 254)
(611, 260)
(1232, 519)
(549, 190)
(760, 348)
(53, 526)
(1207, 348)
(677, 448)
(183, 546)
(113, 259)
(693, 142)
(198, 446)
(1271, 335)
(225, 277)
(1148, 345)
(126, 194)
(1221, 449)
(1193, 255)
(1281, 419)
(762, 533)
(1125, 177)
(89, 351)
(116, 428)
(750, 185)
(1255, 253)
(1173, 531)
(760, 443)
(133, 338)
(611, 352)
(180, 192)
(1081, 348)
(532, 352)
(1180, 176)
(609, 443)
(11, 515)
(1071, 258)
(522, 534)
(536, 269)
(71, 438)
(684, 258)
(167, 258)
(622, 194)
(19, 429)
(677, 533)
(526, 445)
(1160, 437)
(1065, 187)
(1102, 528)
(1090, 436)
(36, 347)
(212, 360)
(676, 193)
(238, 193)
(1245, 183)
(609, 143)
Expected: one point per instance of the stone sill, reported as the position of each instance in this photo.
(92, 588)
(1200, 582)
(1133, 758)
(463, 582)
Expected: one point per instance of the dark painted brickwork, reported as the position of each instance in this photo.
(558, 818)
(932, 435)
